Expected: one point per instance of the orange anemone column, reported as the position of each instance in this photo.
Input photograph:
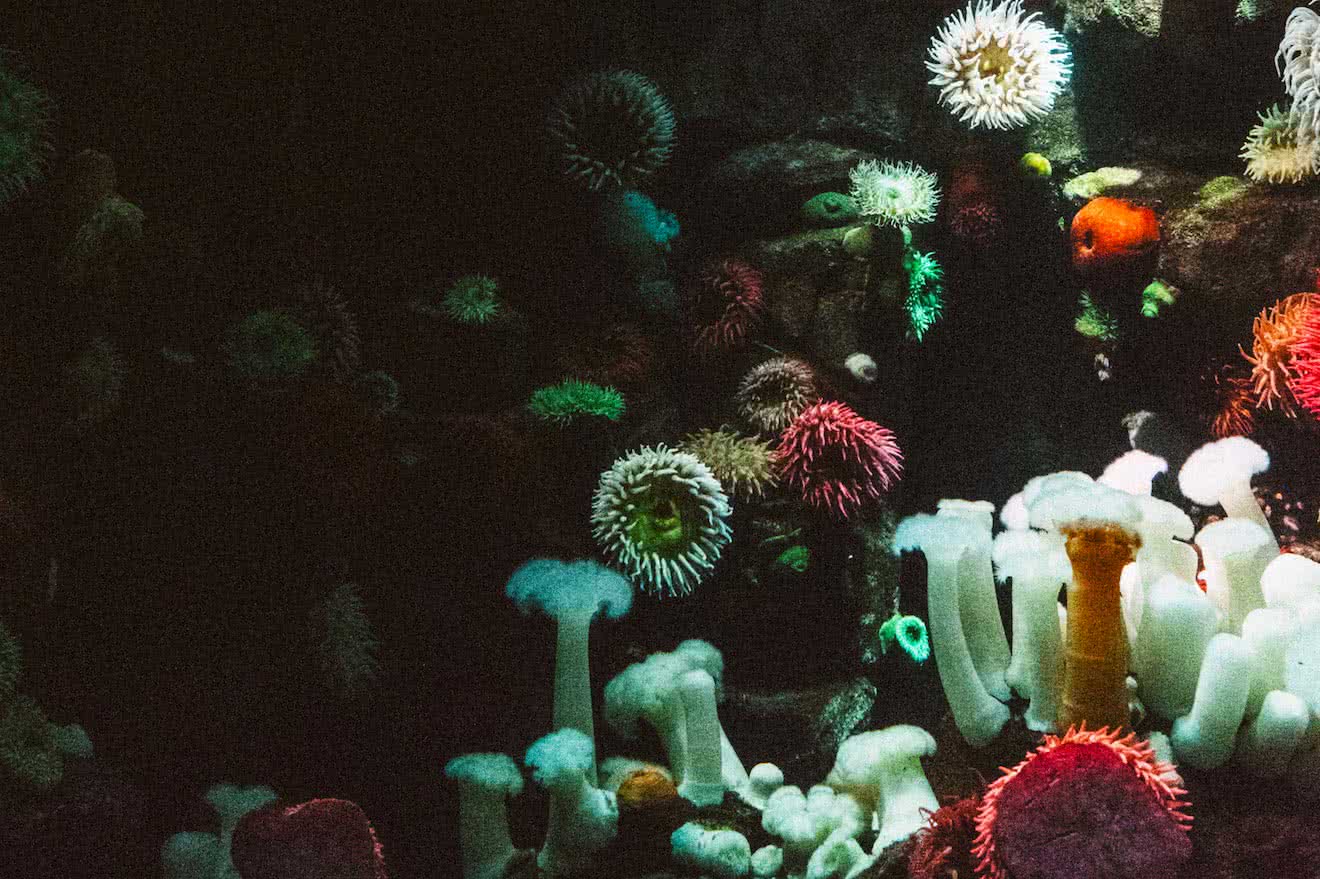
(1095, 676)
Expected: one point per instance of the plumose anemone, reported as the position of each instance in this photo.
(997, 67)
(743, 465)
(1298, 61)
(837, 459)
(894, 194)
(1276, 151)
(775, 392)
(726, 303)
(611, 128)
(661, 516)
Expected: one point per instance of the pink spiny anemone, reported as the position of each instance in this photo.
(309, 840)
(1085, 805)
(775, 392)
(838, 459)
(1274, 332)
(726, 304)
(1304, 382)
(1234, 404)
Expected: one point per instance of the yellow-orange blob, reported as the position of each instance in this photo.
(645, 787)
(1112, 235)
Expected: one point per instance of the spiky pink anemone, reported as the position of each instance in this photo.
(1085, 805)
(726, 305)
(838, 459)
(1304, 382)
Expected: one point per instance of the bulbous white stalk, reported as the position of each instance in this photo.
(1204, 737)
(1268, 632)
(1239, 502)
(1236, 553)
(978, 603)
(978, 715)
(1038, 568)
(1267, 744)
(906, 801)
(1176, 628)
(1304, 768)
(483, 825)
(572, 708)
(1291, 581)
(702, 780)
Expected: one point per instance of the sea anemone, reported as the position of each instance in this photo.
(1095, 321)
(775, 392)
(378, 390)
(95, 381)
(1114, 238)
(1273, 333)
(1234, 412)
(1298, 61)
(564, 403)
(1275, 150)
(611, 128)
(620, 354)
(269, 346)
(346, 645)
(890, 194)
(743, 465)
(838, 459)
(11, 664)
(1304, 382)
(1087, 804)
(997, 67)
(318, 838)
(28, 756)
(661, 516)
(977, 224)
(326, 314)
(925, 299)
(726, 303)
(473, 300)
(24, 133)
(943, 848)
(908, 634)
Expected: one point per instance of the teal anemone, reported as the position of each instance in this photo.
(473, 300)
(571, 399)
(908, 634)
(796, 559)
(925, 299)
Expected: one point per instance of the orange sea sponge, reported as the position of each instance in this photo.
(1112, 236)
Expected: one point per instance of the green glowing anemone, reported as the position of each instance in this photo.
(661, 516)
(796, 559)
(1095, 322)
(473, 300)
(908, 634)
(925, 299)
(571, 399)
(269, 346)
(24, 143)
(1156, 297)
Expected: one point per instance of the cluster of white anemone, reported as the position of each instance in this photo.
(894, 194)
(996, 66)
(1277, 151)
(1299, 64)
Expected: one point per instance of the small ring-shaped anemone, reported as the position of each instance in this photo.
(907, 633)
(661, 516)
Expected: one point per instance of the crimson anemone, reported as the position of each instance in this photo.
(838, 459)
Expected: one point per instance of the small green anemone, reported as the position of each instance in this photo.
(907, 633)
(925, 300)
(571, 399)
(796, 559)
(473, 300)
(24, 133)
(269, 346)
(1156, 297)
(1095, 322)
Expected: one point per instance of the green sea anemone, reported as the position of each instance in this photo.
(1276, 151)
(828, 210)
(24, 134)
(611, 128)
(1156, 297)
(1095, 322)
(662, 517)
(908, 634)
(894, 194)
(571, 399)
(796, 559)
(346, 644)
(925, 299)
(28, 755)
(269, 346)
(1035, 165)
(378, 390)
(473, 300)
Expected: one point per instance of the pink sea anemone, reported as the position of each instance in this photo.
(309, 840)
(1085, 805)
(617, 355)
(1304, 381)
(838, 459)
(775, 392)
(726, 304)
(1274, 334)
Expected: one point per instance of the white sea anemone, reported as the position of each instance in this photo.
(1276, 151)
(997, 67)
(891, 194)
(661, 516)
(1298, 62)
